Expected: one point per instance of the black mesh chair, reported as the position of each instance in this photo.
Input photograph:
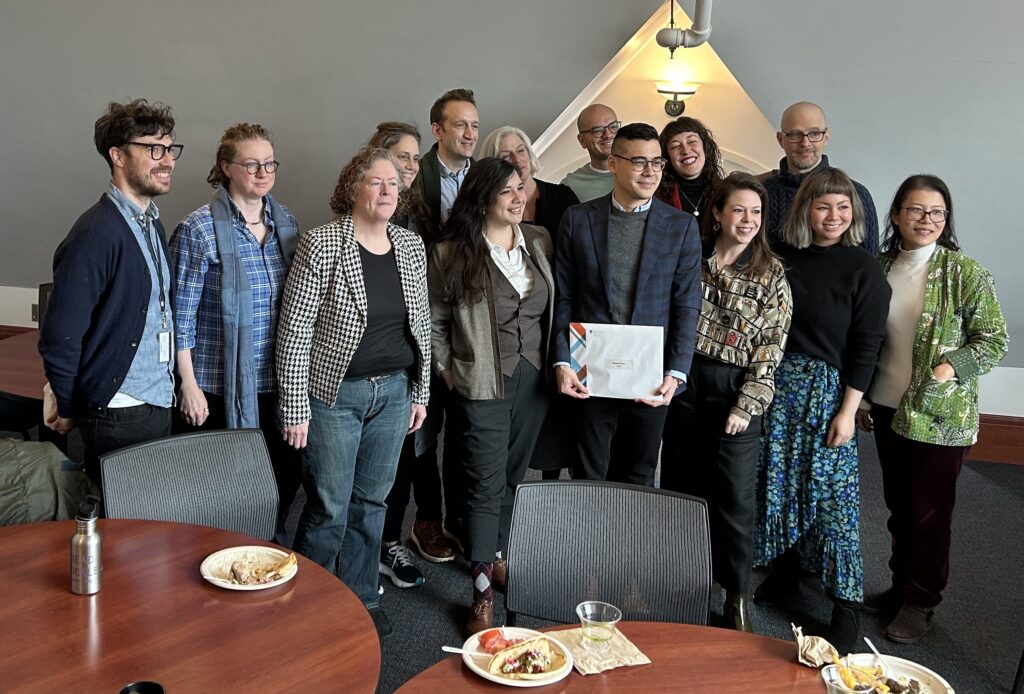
(223, 479)
(646, 551)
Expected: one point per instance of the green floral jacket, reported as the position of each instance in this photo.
(962, 324)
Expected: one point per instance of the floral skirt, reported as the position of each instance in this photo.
(808, 495)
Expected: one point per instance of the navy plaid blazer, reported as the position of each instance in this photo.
(667, 284)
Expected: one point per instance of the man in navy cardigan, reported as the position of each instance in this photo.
(106, 336)
(629, 259)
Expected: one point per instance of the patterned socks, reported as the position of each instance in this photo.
(481, 574)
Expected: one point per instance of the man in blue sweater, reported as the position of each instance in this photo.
(106, 336)
(803, 136)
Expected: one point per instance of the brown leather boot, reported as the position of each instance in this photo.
(736, 613)
(481, 617)
(499, 574)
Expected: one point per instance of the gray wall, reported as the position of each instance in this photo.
(319, 74)
(917, 85)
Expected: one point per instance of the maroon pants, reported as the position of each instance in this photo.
(919, 483)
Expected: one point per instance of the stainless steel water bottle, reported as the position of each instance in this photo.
(86, 546)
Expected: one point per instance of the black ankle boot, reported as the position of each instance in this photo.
(735, 613)
(783, 579)
(844, 629)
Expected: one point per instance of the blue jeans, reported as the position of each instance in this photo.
(349, 466)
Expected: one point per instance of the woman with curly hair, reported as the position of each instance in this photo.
(696, 166)
(491, 299)
(945, 328)
(808, 484)
(353, 365)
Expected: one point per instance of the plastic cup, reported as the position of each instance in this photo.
(597, 622)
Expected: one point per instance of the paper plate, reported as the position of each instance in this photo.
(479, 664)
(216, 568)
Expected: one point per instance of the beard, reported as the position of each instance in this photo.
(145, 184)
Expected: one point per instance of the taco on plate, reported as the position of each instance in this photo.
(534, 659)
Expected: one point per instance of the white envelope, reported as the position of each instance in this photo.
(617, 361)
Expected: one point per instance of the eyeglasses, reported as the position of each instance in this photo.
(916, 214)
(158, 152)
(253, 167)
(639, 163)
(598, 130)
(813, 136)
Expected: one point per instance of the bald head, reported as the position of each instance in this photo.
(598, 146)
(801, 122)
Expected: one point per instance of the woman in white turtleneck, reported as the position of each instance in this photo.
(945, 328)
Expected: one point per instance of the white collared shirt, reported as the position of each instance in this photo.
(512, 264)
(639, 208)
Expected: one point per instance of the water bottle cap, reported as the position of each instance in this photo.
(89, 508)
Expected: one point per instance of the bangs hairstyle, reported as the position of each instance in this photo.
(947, 239)
(712, 172)
(410, 200)
(122, 123)
(760, 256)
(465, 275)
(437, 110)
(352, 175)
(227, 150)
(796, 231)
(492, 143)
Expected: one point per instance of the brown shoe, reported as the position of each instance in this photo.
(428, 536)
(499, 574)
(910, 624)
(455, 531)
(481, 617)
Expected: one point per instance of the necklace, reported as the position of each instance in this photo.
(696, 208)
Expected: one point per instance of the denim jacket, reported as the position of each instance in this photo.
(962, 324)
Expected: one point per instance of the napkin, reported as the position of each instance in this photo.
(812, 651)
(620, 652)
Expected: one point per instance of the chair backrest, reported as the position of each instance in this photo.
(646, 551)
(223, 479)
(44, 299)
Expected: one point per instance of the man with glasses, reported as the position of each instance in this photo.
(597, 125)
(107, 335)
(629, 259)
(803, 137)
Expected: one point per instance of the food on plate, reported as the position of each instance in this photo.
(251, 571)
(532, 659)
(495, 640)
(860, 678)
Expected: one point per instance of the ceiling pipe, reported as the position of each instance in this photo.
(672, 37)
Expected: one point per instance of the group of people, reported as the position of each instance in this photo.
(431, 315)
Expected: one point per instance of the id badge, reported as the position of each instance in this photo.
(164, 340)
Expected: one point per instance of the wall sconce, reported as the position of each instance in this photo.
(679, 92)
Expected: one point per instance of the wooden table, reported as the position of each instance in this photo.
(21, 367)
(155, 618)
(684, 658)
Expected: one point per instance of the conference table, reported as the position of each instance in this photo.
(684, 658)
(156, 619)
(21, 367)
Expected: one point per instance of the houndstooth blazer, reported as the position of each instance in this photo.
(323, 315)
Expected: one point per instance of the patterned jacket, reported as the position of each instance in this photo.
(323, 315)
(744, 320)
(962, 324)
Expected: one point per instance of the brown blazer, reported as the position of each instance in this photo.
(464, 339)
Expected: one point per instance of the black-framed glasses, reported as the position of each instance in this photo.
(598, 130)
(640, 163)
(916, 214)
(253, 167)
(795, 136)
(158, 152)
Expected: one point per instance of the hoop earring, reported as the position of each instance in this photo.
(716, 227)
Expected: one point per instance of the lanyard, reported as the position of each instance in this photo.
(147, 233)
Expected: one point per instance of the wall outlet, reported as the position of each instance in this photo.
(35, 312)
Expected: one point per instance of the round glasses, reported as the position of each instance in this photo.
(253, 167)
(598, 130)
(158, 152)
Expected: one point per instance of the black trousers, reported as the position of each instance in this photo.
(618, 440)
(421, 472)
(498, 442)
(919, 484)
(119, 427)
(700, 459)
(287, 461)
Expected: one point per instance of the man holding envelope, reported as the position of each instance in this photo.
(626, 259)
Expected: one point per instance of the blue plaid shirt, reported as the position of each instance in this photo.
(197, 321)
